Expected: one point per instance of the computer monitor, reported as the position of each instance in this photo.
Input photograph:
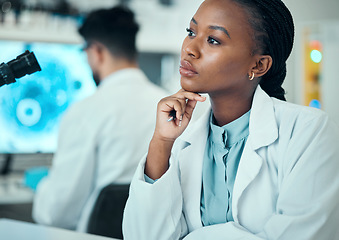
(31, 108)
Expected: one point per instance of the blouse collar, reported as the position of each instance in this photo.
(231, 133)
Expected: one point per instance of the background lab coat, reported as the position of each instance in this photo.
(287, 185)
(101, 141)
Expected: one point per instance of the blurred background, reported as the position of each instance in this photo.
(31, 108)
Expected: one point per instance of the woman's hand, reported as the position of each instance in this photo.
(173, 115)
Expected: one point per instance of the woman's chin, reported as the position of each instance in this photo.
(188, 85)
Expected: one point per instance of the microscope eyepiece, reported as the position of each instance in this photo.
(23, 64)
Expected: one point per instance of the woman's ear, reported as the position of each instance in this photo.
(263, 64)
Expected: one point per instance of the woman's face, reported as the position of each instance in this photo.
(216, 56)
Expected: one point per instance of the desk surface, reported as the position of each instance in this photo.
(17, 230)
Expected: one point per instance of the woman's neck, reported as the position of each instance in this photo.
(227, 109)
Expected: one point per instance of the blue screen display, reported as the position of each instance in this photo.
(31, 108)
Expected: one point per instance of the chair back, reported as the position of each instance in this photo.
(107, 214)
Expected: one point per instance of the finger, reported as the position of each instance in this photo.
(178, 121)
(190, 106)
(173, 114)
(174, 108)
(189, 109)
(183, 107)
(189, 95)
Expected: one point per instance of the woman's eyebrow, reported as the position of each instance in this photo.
(214, 27)
(221, 29)
(194, 21)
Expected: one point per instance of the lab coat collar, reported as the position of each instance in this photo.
(192, 143)
(190, 159)
(197, 130)
(262, 126)
(262, 132)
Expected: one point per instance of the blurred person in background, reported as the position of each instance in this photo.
(103, 137)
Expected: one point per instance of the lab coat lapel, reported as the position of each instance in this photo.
(263, 131)
(191, 161)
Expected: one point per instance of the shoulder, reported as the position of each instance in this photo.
(131, 84)
(147, 88)
(82, 111)
(294, 114)
(79, 108)
(306, 137)
(153, 91)
(304, 124)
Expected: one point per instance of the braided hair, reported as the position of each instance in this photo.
(273, 28)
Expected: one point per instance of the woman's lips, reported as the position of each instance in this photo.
(186, 69)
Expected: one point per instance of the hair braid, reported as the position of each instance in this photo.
(273, 28)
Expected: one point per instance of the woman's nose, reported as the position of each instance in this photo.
(191, 48)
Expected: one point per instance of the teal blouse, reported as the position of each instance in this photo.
(222, 155)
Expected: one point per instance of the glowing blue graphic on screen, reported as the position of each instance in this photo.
(31, 108)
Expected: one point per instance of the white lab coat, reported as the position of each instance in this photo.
(286, 187)
(101, 141)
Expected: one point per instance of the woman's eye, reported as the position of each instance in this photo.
(190, 32)
(213, 41)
